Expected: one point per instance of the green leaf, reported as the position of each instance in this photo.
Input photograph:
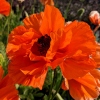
(45, 97)
(2, 49)
(49, 77)
(1, 59)
(38, 94)
(58, 77)
(30, 96)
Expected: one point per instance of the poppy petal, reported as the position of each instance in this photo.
(4, 7)
(7, 89)
(34, 21)
(1, 73)
(78, 68)
(83, 88)
(82, 39)
(51, 23)
(31, 73)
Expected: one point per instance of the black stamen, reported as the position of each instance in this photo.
(44, 44)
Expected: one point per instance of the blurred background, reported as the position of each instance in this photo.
(70, 9)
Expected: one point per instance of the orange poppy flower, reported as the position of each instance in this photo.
(94, 17)
(7, 88)
(44, 41)
(83, 88)
(44, 2)
(4, 7)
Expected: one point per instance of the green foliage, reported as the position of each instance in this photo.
(3, 57)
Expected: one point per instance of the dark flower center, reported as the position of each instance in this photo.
(41, 46)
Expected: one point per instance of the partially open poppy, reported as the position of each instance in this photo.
(44, 41)
(4, 7)
(94, 17)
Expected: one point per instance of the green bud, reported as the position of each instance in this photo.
(80, 12)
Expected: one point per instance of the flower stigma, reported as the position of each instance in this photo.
(41, 47)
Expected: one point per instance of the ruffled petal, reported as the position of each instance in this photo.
(82, 39)
(34, 21)
(30, 73)
(84, 88)
(51, 23)
(73, 68)
(7, 89)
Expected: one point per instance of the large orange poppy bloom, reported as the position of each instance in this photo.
(4, 7)
(44, 41)
(44, 2)
(7, 88)
(84, 88)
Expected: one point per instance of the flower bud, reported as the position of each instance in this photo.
(21, 1)
(67, 23)
(94, 17)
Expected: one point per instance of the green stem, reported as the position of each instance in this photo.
(5, 25)
(54, 83)
(58, 96)
(63, 93)
(66, 13)
(68, 95)
(96, 28)
(57, 89)
(50, 92)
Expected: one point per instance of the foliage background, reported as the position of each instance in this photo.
(70, 9)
